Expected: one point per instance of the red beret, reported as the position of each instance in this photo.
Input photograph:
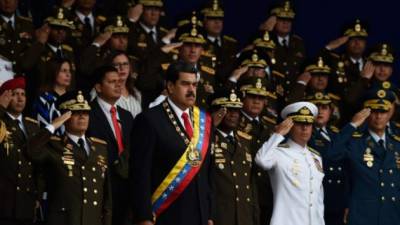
(13, 84)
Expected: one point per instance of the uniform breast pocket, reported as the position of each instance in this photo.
(296, 174)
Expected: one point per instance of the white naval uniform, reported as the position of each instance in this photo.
(296, 182)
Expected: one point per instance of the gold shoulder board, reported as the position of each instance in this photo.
(244, 135)
(97, 140)
(314, 151)
(208, 54)
(395, 137)
(164, 29)
(270, 120)
(397, 125)
(283, 145)
(335, 55)
(334, 129)
(228, 38)
(25, 18)
(55, 138)
(68, 48)
(101, 18)
(356, 135)
(31, 120)
(208, 70)
(297, 37)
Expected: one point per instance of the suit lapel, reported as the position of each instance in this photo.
(98, 112)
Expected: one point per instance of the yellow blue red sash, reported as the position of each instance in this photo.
(183, 172)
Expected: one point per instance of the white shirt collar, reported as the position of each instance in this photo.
(147, 29)
(82, 17)
(75, 139)
(376, 137)
(178, 111)
(12, 19)
(53, 48)
(19, 118)
(280, 39)
(212, 39)
(225, 134)
(296, 146)
(249, 117)
(106, 107)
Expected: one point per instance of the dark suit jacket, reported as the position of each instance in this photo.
(100, 128)
(156, 147)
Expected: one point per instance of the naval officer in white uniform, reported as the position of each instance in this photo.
(295, 169)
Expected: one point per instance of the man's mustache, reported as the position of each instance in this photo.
(190, 94)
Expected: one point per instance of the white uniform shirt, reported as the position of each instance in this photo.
(296, 178)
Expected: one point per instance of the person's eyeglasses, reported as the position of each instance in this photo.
(121, 65)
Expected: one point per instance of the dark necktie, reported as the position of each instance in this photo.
(59, 53)
(10, 25)
(381, 143)
(81, 143)
(88, 26)
(153, 39)
(231, 139)
(188, 126)
(284, 43)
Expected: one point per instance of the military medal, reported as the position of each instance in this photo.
(368, 158)
(397, 156)
(193, 156)
(318, 165)
(221, 166)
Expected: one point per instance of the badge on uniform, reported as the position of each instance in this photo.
(397, 156)
(248, 157)
(296, 168)
(368, 157)
(318, 165)
(101, 161)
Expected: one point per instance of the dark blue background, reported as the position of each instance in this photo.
(317, 21)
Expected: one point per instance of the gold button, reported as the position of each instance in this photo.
(28, 189)
(232, 162)
(19, 162)
(245, 174)
(94, 203)
(258, 141)
(390, 171)
(84, 201)
(392, 184)
(339, 168)
(248, 199)
(19, 175)
(94, 169)
(237, 199)
(234, 174)
(330, 181)
(394, 199)
(29, 176)
(237, 186)
(244, 162)
(380, 171)
(83, 167)
(85, 189)
(247, 186)
(331, 168)
(83, 178)
(259, 174)
(18, 188)
(95, 191)
(94, 180)
(382, 184)
(339, 181)
(18, 150)
(29, 163)
(383, 198)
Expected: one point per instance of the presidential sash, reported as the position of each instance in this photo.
(187, 166)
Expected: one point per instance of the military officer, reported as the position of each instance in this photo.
(295, 168)
(76, 167)
(222, 46)
(373, 157)
(18, 176)
(259, 126)
(235, 189)
(335, 181)
(290, 49)
(114, 38)
(188, 47)
(87, 24)
(50, 44)
(145, 32)
(15, 31)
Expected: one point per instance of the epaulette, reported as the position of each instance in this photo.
(357, 134)
(175, 51)
(334, 129)
(284, 145)
(97, 140)
(55, 138)
(164, 29)
(165, 66)
(334, 97)
(31, 120)
(101, 18)
(25, 18)
(274, 72)
(244, 135)
(270, 120)
(208, 54)
(228, 38)
(313, 151)
(297, 37)
(397, 125)
(68, 48)
(208, 70)
(395, 137)
(133, 58)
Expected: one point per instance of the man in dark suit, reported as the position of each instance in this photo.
(175, 135)
(113, 124)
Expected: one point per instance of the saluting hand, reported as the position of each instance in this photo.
(218, 116)
(360, 117)
(5, 98)
(284, 127)
(337, 43)
(236, 74)
(42, 34)
(59, 121)
(135, 12)
(305, 77)
(269, 24)
(103, 38)
(170, 35)
(169, 47)
(368, 70)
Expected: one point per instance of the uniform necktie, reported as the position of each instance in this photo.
(152, 36)
(284, 43)
(381, 143)
(81, 143)
(59, 53)
(10, 25)
(88, 25)
(18, 122)
(324, 134)
(117, 129)
(216, 43)
(188, 126)
(231, 139)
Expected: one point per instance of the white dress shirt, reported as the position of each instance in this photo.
(75, 139)
(7, 19)
(106, 109)
(82, 18)
(148, 30)
(296, 182)
(178, 112)
(280, 40)
(212, 39)
(360, 62)
(376, 137)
